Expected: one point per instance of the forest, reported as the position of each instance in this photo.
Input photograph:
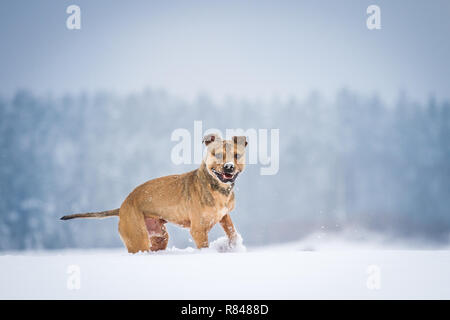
(353, 162)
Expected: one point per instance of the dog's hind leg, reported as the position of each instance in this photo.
(132, 229)
(157, 232)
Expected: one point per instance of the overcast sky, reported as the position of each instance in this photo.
(242, 48)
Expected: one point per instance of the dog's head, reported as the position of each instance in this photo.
(225, 159)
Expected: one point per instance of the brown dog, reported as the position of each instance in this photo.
(196, 200)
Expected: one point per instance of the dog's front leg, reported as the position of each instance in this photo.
(200, 236)
(228, 227)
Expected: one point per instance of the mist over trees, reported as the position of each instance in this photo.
(354, 162)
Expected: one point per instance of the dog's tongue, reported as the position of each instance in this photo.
(227, 175)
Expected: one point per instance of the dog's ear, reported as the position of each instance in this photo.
(211, 138)
(240, 140)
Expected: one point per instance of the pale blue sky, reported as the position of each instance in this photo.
(251, 49)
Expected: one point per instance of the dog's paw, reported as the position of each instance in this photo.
(223, 244)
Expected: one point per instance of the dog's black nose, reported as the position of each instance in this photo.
(228, 167)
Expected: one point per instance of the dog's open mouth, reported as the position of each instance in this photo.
(225, 177)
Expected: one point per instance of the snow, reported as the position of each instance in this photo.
(223, 245)
(321, 266)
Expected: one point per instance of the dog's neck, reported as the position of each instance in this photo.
(215, 185)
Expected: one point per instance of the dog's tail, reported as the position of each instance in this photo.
(101, 214)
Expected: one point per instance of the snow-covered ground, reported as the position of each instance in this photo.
(321, 266)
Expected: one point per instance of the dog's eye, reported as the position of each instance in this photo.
(237, 156)
(219, 156)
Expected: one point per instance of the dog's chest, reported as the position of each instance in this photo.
(220, 209)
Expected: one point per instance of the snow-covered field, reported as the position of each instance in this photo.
(334, 268)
